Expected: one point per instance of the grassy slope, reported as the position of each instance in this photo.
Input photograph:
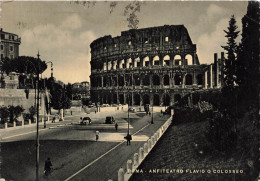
(176, 150)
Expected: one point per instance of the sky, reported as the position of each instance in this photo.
(63, 31)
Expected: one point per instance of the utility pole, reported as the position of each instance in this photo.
(37, 132)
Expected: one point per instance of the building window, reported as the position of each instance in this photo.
(11, 56)
(129, 42)
(2, 47)
(166, 38)
(11, 48)
(115, 45)
(105, 48)
(2, 36)
(2, 56)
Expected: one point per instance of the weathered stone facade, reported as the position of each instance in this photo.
(9, 45)
(154, 66)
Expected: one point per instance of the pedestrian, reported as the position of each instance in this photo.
(116, 126)
(97, 135)
(95, 111)
(53, 120)
(161, 111)
(47, 167)
(128, 139)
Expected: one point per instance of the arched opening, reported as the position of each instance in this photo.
(114, 98)
(137, 99)
(188, 79)
(166, 80)
(128, 79)
(156, 60)
(105, 66)
(199, 79)
(146, 99)
(177, 98)
(121, 98)
(156, 80)
(104, 99)
(166, 100)
(128, 99)
(120, 80)
(114, 81)
(156, 100)
(109, 66)
(109, 99)
(188, 57)
(137, 62)
(166, 60)
(177, 79)
(146, 62)
(137, 80)
(122, 64)
(177, 59)
(146, 80)
(104, 81)
(129, 63)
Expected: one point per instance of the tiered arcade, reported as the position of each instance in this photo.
(154, 66)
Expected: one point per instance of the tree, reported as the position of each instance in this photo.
(4, 114)
(248, 57)
(230, 78)
(15, 112)
(24, 64)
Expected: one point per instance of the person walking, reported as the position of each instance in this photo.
(116, 126)
(47, 167)
(97, 135)
(128, 139)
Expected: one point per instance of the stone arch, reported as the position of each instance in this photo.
(137, 80)
(177, 79)
(121, 98)
(137, 99)
(156, 100)
(156, 60)
(122, 64)
(146, 61)
(129, 63)
(188, 79)
(114, 64)
(156, 79)
(166, 60)
(177, 60)
(146, 80)
(120, 80)
(177, 98)
(146, 99)
(199, 79)
(104, 81)
(166, 100)
(104, 97)
(137, 62)
(128, 79)
(166, 80)
(189, 59)
(128, 98)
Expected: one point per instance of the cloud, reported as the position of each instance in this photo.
(69, 51)
(210, 43)
(72, 22)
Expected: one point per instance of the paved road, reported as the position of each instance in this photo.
(73, 148)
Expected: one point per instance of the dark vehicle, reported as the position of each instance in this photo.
(110, 120)
(85, 120)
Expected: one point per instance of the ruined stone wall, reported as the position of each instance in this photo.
(156, 65)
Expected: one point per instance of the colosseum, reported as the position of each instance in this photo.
(156, 66)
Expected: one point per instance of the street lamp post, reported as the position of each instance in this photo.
(37, 128)
(152, 114)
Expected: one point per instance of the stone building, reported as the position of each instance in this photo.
(156, 66)
(9, 45)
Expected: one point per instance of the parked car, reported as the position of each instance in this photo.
(110, 120)
(85, 121)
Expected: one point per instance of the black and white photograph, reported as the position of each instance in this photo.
(129, 90)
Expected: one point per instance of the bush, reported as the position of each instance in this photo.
(220, 131)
